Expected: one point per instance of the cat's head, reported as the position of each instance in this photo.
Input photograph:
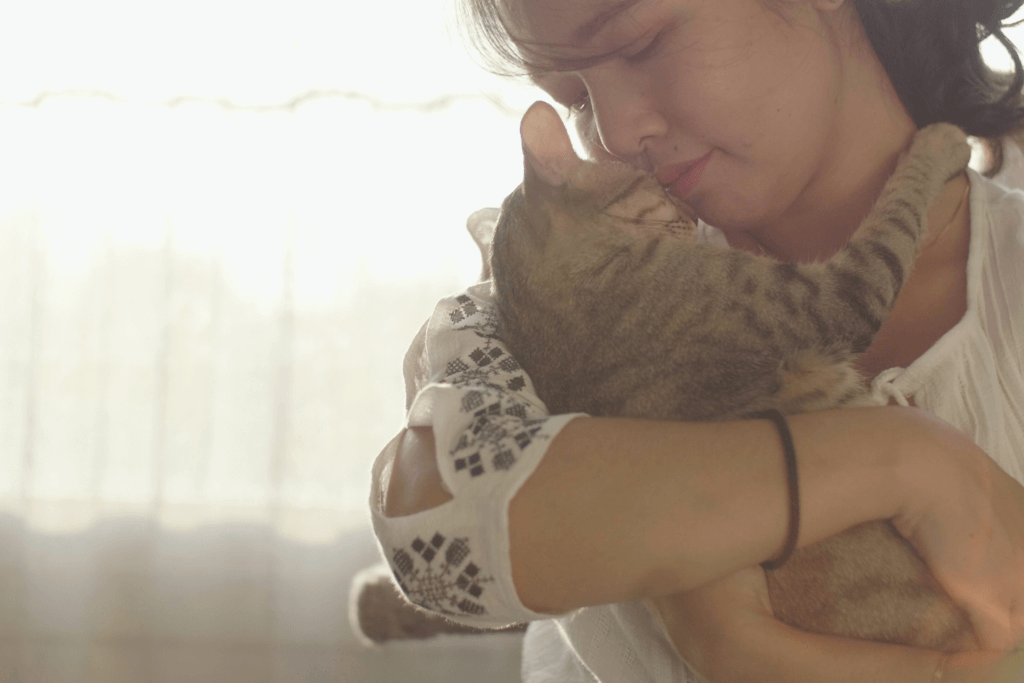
(565, 196)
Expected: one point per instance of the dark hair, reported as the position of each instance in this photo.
(931, 50)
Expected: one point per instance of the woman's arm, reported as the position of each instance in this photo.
(415, 484)
(627, 509)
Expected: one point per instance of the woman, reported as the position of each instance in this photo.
(785, 117)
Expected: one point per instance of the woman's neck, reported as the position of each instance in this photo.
(934, 298)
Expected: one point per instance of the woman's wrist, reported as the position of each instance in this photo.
(851, 463)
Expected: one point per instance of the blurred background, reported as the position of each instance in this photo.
(221, 224)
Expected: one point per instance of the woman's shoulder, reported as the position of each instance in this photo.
(1002, 200)
(995, 268)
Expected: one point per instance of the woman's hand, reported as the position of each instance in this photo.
(726, 631)
(961, 512)
(966, 519)
(711, 626)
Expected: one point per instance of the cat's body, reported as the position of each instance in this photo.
(614, 310)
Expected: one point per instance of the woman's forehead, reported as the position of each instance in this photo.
(568, 22)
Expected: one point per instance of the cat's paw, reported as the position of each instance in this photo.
(943, 146)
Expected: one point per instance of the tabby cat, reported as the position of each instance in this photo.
(613, 309)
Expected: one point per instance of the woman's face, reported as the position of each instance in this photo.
(760, 93)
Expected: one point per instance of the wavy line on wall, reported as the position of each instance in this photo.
(378, 104)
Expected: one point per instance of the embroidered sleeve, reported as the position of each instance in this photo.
(491, 431)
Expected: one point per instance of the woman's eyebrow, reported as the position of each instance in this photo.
(591, 28)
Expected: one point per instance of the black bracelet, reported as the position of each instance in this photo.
(794, 487)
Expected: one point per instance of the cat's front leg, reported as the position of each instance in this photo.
(878, 259)
(846, 299)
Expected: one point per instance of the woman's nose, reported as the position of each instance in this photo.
(626, 118)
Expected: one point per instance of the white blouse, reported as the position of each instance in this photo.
(491, 432)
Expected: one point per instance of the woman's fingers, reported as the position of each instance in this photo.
(967, 522)
(993, 581)
(1002, 626)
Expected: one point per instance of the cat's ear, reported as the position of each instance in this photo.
(547, 149)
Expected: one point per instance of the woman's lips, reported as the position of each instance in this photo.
(681, 179)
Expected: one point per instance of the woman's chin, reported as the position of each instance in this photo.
(728, 214)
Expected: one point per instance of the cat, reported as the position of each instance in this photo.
(612, 308)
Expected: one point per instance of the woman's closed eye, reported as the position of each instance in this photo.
(580, 106)
(647, 51)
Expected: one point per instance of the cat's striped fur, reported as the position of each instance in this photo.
(614, 310)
